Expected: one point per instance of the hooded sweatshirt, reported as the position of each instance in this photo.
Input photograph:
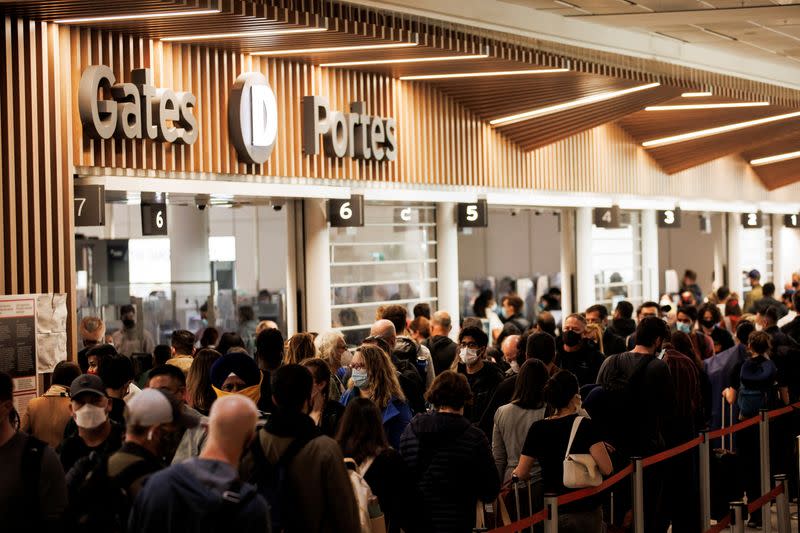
(453, 466)
(443, 352)
(188, 497)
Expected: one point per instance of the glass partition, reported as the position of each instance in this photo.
(617, 261)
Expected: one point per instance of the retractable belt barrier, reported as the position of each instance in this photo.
(725, 522)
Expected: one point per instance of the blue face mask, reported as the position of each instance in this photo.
(359, 377)
(684, 327)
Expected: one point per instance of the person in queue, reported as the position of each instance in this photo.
(362, 439)
(203, 493)
(622, 323)
(332, 348)
(755, 293)
(484, 308)
(229, 340)
(546, 443)
(510, 350)
(130, 339)
(268, 357)
(33, 494)
(92, 331)
(325, 411)
(612, 343)
(575, 355)
(374, 377)
(95, 356)
(209, 338)
(719, 368)
(482, 376)
(703, 344)
(405, 347)
(199, 393)
(420, 329)
(170, 379)
(768, 299)
(449, 458)
(316, 494)
(709, 322)
(512, 306)
(247, 325)
(787, 299)
(47, 416)
(647, 309)
(300, 347)
(182, 348)
(733, 312)
(442, 348)
(792, 327)
(593, 338)
(411, 378)
(117, 375)
(422, 310)
(689, 284)
(546, 323)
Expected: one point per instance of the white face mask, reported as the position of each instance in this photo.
(469, 356)
(90, 416)
(514, 367)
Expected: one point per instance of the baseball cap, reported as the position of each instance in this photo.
(87, 383)
(754, 274)
(151, 407)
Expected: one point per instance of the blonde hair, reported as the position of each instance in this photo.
(597, 333)
(300, 348)
(326, 344)
(382, 376)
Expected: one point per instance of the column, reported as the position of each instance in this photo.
(317, 255)
(649, 255)
(190, 267)
(733, 231)
(780, 275)
(291, 266)
(447, 263)
(567, 259)
(584, 268)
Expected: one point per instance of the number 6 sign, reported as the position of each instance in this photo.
(346, 213)
(473, 215)
(154, 219)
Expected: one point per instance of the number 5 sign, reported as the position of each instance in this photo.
(154, 219)
(347, 213)
(473, 215)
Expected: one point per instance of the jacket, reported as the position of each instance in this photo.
(396, 416)
(511, 425)
(443, 352)
(391, 482)
(483, 384)
(750, 299)
(453, 467)
(792, 329)
(189, 498)
(47, 416)
(718, 369)
(184, 362)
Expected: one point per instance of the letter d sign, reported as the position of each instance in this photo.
(253, 117)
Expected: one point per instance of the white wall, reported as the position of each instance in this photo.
(686, 247)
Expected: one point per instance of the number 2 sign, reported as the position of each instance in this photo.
(752, 220)
(346, 213)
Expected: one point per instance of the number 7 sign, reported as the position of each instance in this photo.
(90, 205)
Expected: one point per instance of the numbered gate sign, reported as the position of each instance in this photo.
(473, 215)
(346, 213)
(607, 217)
(90, 205)
(791, 221)
(154, 219)
(669, 218)
(752, 220)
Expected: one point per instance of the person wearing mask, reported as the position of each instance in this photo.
(575, 355)
(325, 412)
(612, 343)
(547, 443)
(363, 440)
(316, 490)
(247, 327)
(47, 416)
(130, 339)
(768, 299)
(733, 313)
(622, 323)
(405, 347)
(374, 377)
(509, 347)
(512, 306)
(182, 349)
(755, 293)
(92, 331)
(684, 322)
(332, 348)
(690, 284)
(269, 356)
(199, 394)
(546, 323)
(483, 376)
(440, 345)
(719, 369)
(483, 308)
(709, 322)
(229, 340)
(411, 376)
(117, 376)
(300, 348)
(202, 493)
(33, 494)
(450, 458)
(792, 328)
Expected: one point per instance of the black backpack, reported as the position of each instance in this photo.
(412, 384)
(406, 349)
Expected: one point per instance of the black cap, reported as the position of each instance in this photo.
(87, 383)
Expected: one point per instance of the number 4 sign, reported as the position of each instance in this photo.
(346, 213)
(473, 215)
(607, 217)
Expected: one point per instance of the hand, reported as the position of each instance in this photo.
(609, 448)
(729, 394)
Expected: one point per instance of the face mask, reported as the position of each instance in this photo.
(90, 416)
(360, 378)
(759, 327)
(683, 327)
(468, 356)
(129, 323)
(502, 312)
(707, 323)
(572, 338)
(515, 367)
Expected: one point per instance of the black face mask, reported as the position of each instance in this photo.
(707, 323)
(129, 323)
(572, 338)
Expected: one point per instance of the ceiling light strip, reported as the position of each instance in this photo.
(774, 159)
(484, 74)
(696, 95)
(684, 107)
(138, 16)
(245, 34)
(716, 131)
(332, 49)
(595, 98)
(405, 60)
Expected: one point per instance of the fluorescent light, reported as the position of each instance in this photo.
(332, 49)
(406, 60)
(774, 159)
(601, 97)
(704, 106)
(696, 95)
(138, 16)
(571, 6)
(716, 131)
(215, 36)
(484, 74)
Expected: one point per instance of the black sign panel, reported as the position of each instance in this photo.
(90, 205)
(154, 219)
(752, 220)
(791, 221)
(346, 213)
(473, 215)
(669, 218)
(607, 217)
(705, 224)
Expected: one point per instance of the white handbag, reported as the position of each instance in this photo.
(580, 469)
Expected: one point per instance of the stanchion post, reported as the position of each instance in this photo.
(638, 495)
(705, 482)
(530, 500)
(782, 505)
(738, 512)
(551, 504)
(763, 430)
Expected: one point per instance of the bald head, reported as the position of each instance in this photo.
(265, 325)
(441, 324)
(231, 425)
(385, 330)
(509, 348)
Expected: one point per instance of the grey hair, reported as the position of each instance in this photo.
(326, 345)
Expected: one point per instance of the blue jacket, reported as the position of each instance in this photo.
(396, 417)
(718, 369)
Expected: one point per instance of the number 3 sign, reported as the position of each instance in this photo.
(347, 213)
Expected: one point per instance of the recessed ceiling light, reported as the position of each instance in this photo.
(243, 34)
(138, 16)
(704, 106)
(332, 49)
(484, 74)
(405, 60)
(716, 131)
(774, 159)
(601, 97)
(696, 95)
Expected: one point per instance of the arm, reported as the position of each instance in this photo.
(600, 455)
(499, 448)
(344, 513)
(523, 469)
(488, 482)
(52, 489)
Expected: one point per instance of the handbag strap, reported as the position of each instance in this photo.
(575, 425)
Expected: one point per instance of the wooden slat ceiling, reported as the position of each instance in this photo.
(779, 174)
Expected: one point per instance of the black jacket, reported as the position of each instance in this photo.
(622, 327)
(452, 464)
(443, 351)
(792, 329)
(391, 482)
(483, 384)
(612, 343)
(585, 363)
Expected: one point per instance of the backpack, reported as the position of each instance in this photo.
(751, 400)
(366, 501)
(412, 384)
(406, 349)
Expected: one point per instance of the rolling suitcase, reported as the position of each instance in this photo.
(725, 483)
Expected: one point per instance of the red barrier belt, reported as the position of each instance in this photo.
(719, 526)
(672, 452)
(522, 524)
(782, 411)
(765, 499)
(570, 497)
(734, 428)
